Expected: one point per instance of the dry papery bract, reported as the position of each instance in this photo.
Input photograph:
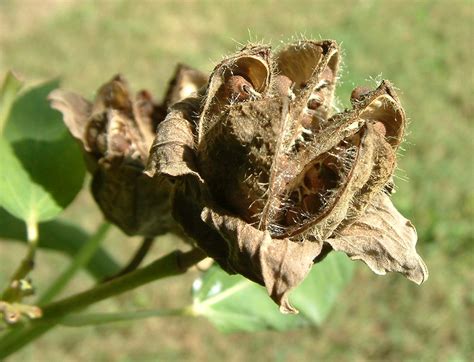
(116, 131)
(267, 179)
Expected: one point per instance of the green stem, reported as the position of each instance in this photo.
(136, 260)
(81, 320)
(13, 292)
(82, 258)
(174, 263)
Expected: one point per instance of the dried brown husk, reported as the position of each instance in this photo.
(237, 160)
(116, 131)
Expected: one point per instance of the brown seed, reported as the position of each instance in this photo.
(380, 128)
(307, 121)
(237, 89)
(312, 179)
(295, 196)
(329, 177)
(315, 102)
(292, 216)
(312, 203)
(359, 92)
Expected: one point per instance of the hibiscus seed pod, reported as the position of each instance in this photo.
(268, 178)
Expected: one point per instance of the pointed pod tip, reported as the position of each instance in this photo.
(287, 308)
(420, 274)
(150, 172)
(55, 94)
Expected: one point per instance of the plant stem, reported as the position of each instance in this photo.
(135, 262)
(13, 292)
(174, 263)
(81, 320)
(82, 258)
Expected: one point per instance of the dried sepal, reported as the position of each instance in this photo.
(131, 200)
(172, 152)
(270, 262)
(384, 240)
(188, 200)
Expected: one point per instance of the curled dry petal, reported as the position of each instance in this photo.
(75, 109)
(268, 178)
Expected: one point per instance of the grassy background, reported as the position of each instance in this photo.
(424, 47)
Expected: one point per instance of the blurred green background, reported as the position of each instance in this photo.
(424, 47)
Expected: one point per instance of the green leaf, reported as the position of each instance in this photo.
(41, 168)
(10, 87)
(63, 237)
(319, 291)
(31, 117)
(233, 303)
(39, 179)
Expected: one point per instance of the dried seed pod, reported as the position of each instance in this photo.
(116, 132)
(313, 67)
(186, 82)
(114, 94)
(268, 184)
(252, 64)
